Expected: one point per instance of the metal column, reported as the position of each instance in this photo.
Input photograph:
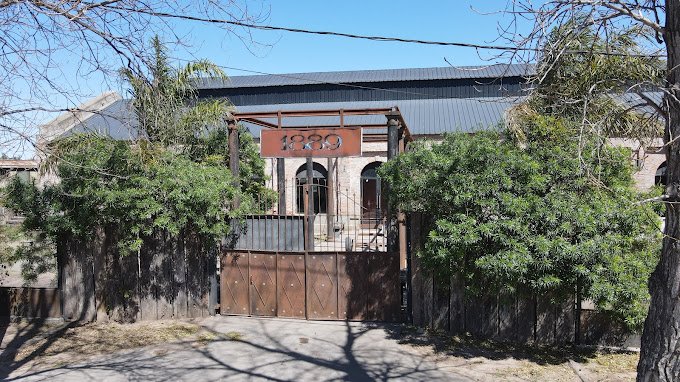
(392, 151)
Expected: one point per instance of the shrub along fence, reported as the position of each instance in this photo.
(445, 305)
(170, 277)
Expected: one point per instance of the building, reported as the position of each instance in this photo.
(432, 101)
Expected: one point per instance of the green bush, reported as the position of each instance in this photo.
(541, 216)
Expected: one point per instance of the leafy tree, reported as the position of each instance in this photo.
(174, 178)
(110, 183)
(523, 218)
(51, 46)
(590, 88)
(659, 21)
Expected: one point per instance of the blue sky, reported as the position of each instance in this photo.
(289, 52)
(285, 52)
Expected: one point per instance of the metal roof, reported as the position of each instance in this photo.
(635, 101)
(495, 71)
(423, 117)
(117, 120)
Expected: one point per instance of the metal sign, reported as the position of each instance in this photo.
(303, 143)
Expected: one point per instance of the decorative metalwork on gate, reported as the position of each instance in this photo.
(343, 225)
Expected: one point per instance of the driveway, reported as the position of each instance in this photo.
(259, 349)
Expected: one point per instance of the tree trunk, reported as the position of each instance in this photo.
(660, 353)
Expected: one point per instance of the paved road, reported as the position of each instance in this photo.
(266, 350)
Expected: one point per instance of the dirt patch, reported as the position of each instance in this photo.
(104, 338)
(58, 345)
(488, 360)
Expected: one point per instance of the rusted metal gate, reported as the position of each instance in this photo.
(314, 285)
(320, 251)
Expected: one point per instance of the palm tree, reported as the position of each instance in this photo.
(167, 108)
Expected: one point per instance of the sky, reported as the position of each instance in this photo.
(284, 52)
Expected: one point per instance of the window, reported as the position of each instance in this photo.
(371, 193)
(319, 188)
(660, 177)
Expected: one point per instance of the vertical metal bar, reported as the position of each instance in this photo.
(354, 209)
(337, 285)
(250, 286)
(330, 201)
(401, 219)
(309, 210)
(392, 151)
(349, 219)
(276, 283)
(281, 184)
(234, 155)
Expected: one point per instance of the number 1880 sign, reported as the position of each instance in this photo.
(292, 143)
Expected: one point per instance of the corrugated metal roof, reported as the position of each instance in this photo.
(369, 76)
(118, 121)
(423, 117)
(640, 104)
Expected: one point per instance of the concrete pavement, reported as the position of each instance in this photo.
(259, 349)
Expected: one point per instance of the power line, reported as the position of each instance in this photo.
(371, 38)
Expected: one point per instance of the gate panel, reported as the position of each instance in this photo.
(384, 299)
(352, 281)
(291, 285)
(322, 288)
(234, 284)
(263, 284)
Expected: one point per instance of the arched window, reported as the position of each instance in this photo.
(319, 188)
(660, 176)
(371, 194)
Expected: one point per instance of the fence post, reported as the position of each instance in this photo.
(330, 200)
(392, 151)
(281, 184)
(309, 206)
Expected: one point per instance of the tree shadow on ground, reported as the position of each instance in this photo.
(263, 353)
(33, 331)
(467, 346)
(349, 361)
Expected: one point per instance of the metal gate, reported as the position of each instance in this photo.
(313, 285)
(313, 255)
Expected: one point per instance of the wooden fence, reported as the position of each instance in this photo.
(168, 278)
(446, 305)
(37, 303)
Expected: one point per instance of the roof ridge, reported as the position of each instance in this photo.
(463, 68)
(497, 70)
